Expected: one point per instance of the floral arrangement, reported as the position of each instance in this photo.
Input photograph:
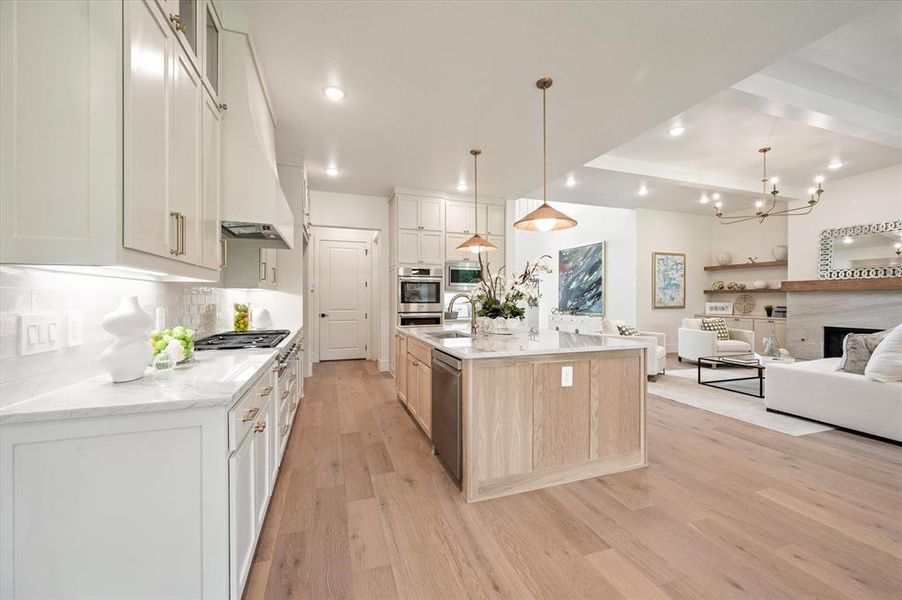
(500, 297)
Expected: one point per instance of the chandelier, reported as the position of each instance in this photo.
(765, 206)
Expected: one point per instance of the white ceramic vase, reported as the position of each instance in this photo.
(724, 258)
(780, 251)
(129, 354)
(759, 284)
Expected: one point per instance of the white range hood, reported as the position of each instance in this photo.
(254, 208)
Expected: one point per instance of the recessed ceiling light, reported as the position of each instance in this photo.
(643, 191)
(819, 179)
(570, 181)
(332, 172)
(716, 196)
(334, 93)
(677, 131)
(704, 199)
(836, 164)
(462, 186)
(759, 204)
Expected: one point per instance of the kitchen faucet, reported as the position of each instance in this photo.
(472, 309)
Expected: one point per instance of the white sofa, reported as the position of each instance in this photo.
(693, 342)
(655, 344)
(816, 390)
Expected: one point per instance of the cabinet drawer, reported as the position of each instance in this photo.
(244, 414)
(420, 351)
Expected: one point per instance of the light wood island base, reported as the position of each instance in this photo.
(522, 430)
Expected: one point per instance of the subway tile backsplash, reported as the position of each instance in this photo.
(204, 307)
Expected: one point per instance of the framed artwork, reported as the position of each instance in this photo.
(582, 280)
(668, 280)
(718, 308)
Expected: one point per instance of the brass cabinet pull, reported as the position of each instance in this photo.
(178, 227)
(284, 430)
(273, 274)
(260, 426)
(266, 391)
(223, 106)
(184, 238)
(263, 264)
(176, 21)
(250, 415)
(223, 253)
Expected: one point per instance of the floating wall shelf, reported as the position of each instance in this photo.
(747, 291)
(843, 285)
(756, 265)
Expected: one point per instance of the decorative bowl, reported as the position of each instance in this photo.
(724, 258)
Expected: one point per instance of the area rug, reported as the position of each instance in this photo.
(680, 385)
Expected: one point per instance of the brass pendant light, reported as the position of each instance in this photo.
(477, 243)
(545, 218)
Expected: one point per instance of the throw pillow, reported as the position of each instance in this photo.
(627, 330)
(718, 326)
(886, 361)
(857, 349)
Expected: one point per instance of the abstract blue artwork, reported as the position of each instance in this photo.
(669, 280)
(582, 278)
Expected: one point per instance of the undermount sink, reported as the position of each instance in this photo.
(442, 335)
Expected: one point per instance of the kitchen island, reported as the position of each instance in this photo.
(535, 411)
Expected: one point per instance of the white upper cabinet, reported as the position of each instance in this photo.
(212, 29)
(458, 217)
(431, 249)
(408, 212)
(495, 221)
(211, 172)
(420, 212)
(431, 214)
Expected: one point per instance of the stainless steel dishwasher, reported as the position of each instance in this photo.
(446, 411)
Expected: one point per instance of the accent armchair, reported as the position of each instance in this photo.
(655, 344)
(693, 342)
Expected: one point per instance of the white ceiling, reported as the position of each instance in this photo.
(837, 99)
(427, 81)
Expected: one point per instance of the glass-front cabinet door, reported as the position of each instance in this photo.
(212, 29)
(188, 16)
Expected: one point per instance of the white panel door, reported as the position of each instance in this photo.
(210, 246)
(408, 247)
(344, 299)
(494, 220)
(408, 212)
(148, 62)
(431, 214)
(184, 154)
(456, 217)
(431, 249)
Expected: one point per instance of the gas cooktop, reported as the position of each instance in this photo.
(235, 340)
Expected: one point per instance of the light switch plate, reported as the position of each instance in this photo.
(74, 328)
(40, 332)
(567, 376)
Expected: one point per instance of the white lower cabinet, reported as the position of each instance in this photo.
(163, 504)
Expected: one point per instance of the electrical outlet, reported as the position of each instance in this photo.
(567, 376)
(39, 332)
(74, 328)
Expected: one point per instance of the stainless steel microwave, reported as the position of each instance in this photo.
(462, 276)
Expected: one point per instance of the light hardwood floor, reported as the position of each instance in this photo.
(724, 510)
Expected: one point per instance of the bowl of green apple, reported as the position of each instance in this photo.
(161, 338)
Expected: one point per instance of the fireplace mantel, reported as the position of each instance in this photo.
(842, 285)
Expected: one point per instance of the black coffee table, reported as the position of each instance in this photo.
(747, 361)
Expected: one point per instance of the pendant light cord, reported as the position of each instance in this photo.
(544, 151)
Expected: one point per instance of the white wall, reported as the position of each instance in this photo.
(857, 200)
(615, 226)
(664, 231)
(370, 213)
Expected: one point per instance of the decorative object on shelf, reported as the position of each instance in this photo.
(476, 243)
(545, 218)
(772, 345)
(752, 260)
(780, 311)
(724, 258)
(498, 300)
(760, 284)
(744, 304)
(718, 308)
(177, 342)
(870, 252)
(669, 280)
(581, 282)
(717, 285)
(129, 354)
(766, 207)
(780, 252)
(732, 285)
(241, 320)
(740, 286)
(769, 310)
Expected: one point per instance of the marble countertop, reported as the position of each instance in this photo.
(213, 378)
(547, 341)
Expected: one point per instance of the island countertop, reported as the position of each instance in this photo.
(546, 341)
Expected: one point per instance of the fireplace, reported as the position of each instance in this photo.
(834, 336)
